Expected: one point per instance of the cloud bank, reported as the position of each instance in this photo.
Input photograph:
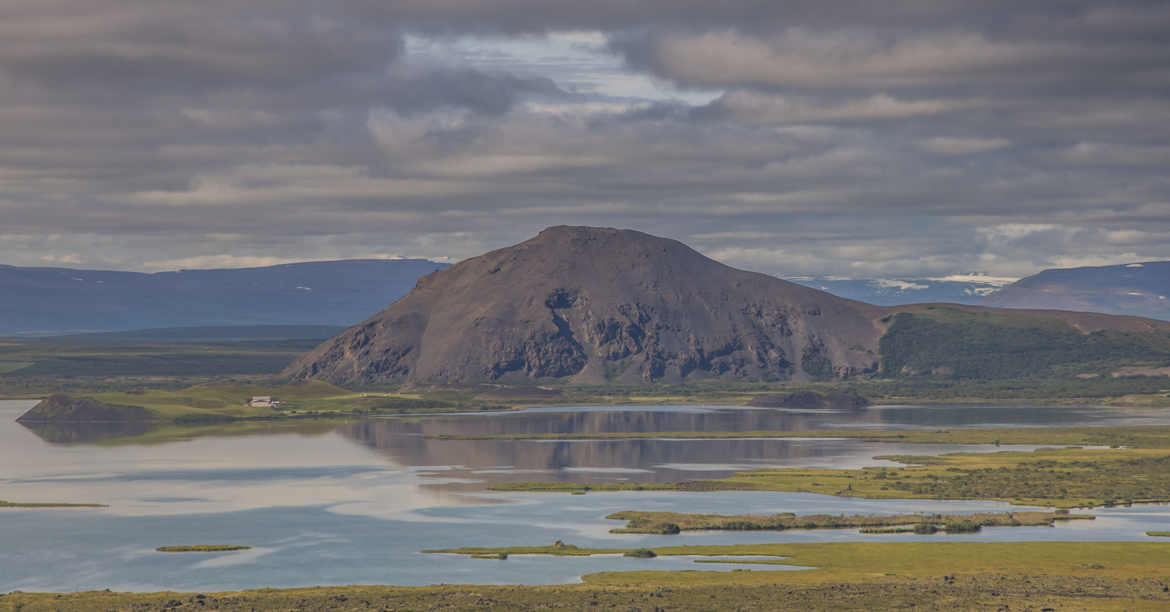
(854, 139)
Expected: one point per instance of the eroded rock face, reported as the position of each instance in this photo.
(594, 304)
(61, 408)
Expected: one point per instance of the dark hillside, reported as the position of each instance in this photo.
(592, 305)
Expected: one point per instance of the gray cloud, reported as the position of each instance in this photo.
(856, 139)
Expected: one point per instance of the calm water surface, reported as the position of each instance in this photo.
(356, 502)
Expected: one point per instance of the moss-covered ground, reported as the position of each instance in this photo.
(674, 522)
(12, 504)
(1064, 478)
(220, 402)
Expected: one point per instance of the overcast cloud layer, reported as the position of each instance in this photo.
(854, 139)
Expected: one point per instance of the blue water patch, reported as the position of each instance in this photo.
(356, 506)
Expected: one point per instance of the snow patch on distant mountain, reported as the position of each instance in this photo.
(956, 288)
(900, 285)
(976, 278)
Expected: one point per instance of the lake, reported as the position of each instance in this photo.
(355, 502)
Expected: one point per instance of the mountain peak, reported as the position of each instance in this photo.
(593, 304)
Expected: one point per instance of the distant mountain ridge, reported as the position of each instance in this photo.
(49, 301)
(897, 291)
(1139, 289)
(595, 305)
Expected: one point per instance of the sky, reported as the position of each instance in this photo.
(854, 139)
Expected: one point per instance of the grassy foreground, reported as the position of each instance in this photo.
(859, 576)
(1063, 478)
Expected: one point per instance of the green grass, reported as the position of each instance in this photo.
(12, 366)
(1159, 534)
(674, 522)
(35, 367)
(860, 560)
(850, 576)
(1064, 478)
(494, 557)
(65, 357)
(10, 504)
(210, 403)
(202, 548)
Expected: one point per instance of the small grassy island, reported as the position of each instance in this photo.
(668, 523)
(226, 403)
(202, 548)
(11, 504)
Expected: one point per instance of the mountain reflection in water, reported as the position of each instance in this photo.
(410, 442)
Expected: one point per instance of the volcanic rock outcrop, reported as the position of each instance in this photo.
(592, 305)
(61, 408)
(596, 304)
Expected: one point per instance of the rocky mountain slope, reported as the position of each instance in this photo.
(592, 304)
(589, 305)
(1140, 289)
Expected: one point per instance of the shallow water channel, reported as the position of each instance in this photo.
(355, 502)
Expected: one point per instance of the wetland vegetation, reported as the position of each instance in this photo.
(861, 575)
(674, 522)
(12, 504)
(841, 575)
(212, 403)
(1063, 478)
(1131, 437)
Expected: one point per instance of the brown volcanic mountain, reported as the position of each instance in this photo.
(589, 305)
(594, 304)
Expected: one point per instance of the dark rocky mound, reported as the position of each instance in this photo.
(811, 400)
(61, 408)
(593, 305)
